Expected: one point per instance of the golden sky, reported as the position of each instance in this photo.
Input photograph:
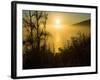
(59, 26)
(66, 18)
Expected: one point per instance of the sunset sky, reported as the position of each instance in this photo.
(66, 18)
(59, 25)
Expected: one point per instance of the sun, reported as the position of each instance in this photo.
(57, 23)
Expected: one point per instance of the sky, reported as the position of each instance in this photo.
(67, 18)
(59, 26)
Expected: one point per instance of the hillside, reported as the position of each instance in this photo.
(83, 23)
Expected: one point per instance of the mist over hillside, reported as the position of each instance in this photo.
(83, 23)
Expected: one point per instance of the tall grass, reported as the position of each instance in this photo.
(75, 53)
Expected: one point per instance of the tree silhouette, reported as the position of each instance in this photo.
(36, 23)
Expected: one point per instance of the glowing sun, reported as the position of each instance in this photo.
(57, 23)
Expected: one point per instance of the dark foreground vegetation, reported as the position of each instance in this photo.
(75, 53)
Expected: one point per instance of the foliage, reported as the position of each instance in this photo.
(75, 54)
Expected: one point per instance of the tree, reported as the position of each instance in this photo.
(35, 21)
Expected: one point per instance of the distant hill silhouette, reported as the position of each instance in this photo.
(83, 23)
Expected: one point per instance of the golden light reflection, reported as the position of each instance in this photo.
(57, 43)
(60, 36)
